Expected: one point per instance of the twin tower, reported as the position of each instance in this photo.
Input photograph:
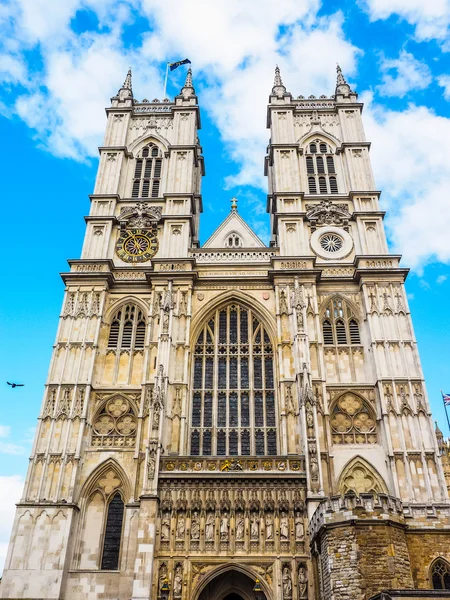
(233, 421)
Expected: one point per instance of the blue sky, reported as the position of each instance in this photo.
(60, 62)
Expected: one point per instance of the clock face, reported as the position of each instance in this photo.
(136, 245)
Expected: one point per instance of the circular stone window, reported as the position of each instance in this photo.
(331, 243)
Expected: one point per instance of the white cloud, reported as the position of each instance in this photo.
(8, 447)
(441, 279)
(4, 430)
(403, 74)
(10, 492)
(444, 81)
(415, 184)
(431, 19)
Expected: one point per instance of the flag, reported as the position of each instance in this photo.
(175, 65)
(446, 399)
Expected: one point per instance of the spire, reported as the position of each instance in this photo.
(188, 82)
(126, 91)
(188, 88)
(342, 86)
(127, 82)
(340, 80)
(278, 87)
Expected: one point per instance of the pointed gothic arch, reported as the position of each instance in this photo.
(115, 306)
(225, 573)
(101, 520)
(439, 574)
(94, 479)
(359, 477)
(114, 422)
(146, 138)
(352, 419)
(310, 136)
(203, 314)
(341, 320)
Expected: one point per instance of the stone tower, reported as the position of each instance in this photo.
(233, 420)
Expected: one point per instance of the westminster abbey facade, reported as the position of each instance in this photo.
(232, 421)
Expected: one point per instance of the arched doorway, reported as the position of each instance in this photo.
(230, 585)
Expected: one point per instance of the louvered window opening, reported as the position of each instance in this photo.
(147, 173)
(113, 534)
(233, 401)
(320, 164)
(127, 328)
(339, 326)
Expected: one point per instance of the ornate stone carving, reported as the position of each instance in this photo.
(210, 526)
(181, 526)
(109, 482)
(224, 525)
(302, 580)
(178, 580)
(165, 526)
(286, 580)
(195, 526)
(328, 213)
(139, 216)
(283, 303)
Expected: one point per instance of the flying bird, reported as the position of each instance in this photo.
(13, 385)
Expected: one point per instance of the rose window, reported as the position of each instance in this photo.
(115, 425)
(352, 421)
(331, 242)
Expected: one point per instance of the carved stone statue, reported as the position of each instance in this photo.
(165, 526)
(240, 523)
(178, 581)
(299, 527)
(162, 576)
(284, 527)
(209, 527)
(302, 582)
(224, 526)
(287, 582)
(254, 528)
(269, 527)
(181, 527)
(195, 526)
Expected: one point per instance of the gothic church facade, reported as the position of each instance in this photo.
(233, 420)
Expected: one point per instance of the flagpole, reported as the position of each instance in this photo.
(445, 408)
(165, 80)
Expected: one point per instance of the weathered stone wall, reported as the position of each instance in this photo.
(383, 558)
(424, 547)
(362, 546)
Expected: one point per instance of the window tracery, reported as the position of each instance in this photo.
(320, 168)
(127, 328)
(352, 421)
(339, 325)
(440, 574)
(233, 240)
(115, 424)
(147, 173)
(233, 401)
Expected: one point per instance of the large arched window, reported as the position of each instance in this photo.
(127, 328)
(113, 533)
(440, 575)
(320, 168)
(339, 325)
(233, 401)
(147, 173)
